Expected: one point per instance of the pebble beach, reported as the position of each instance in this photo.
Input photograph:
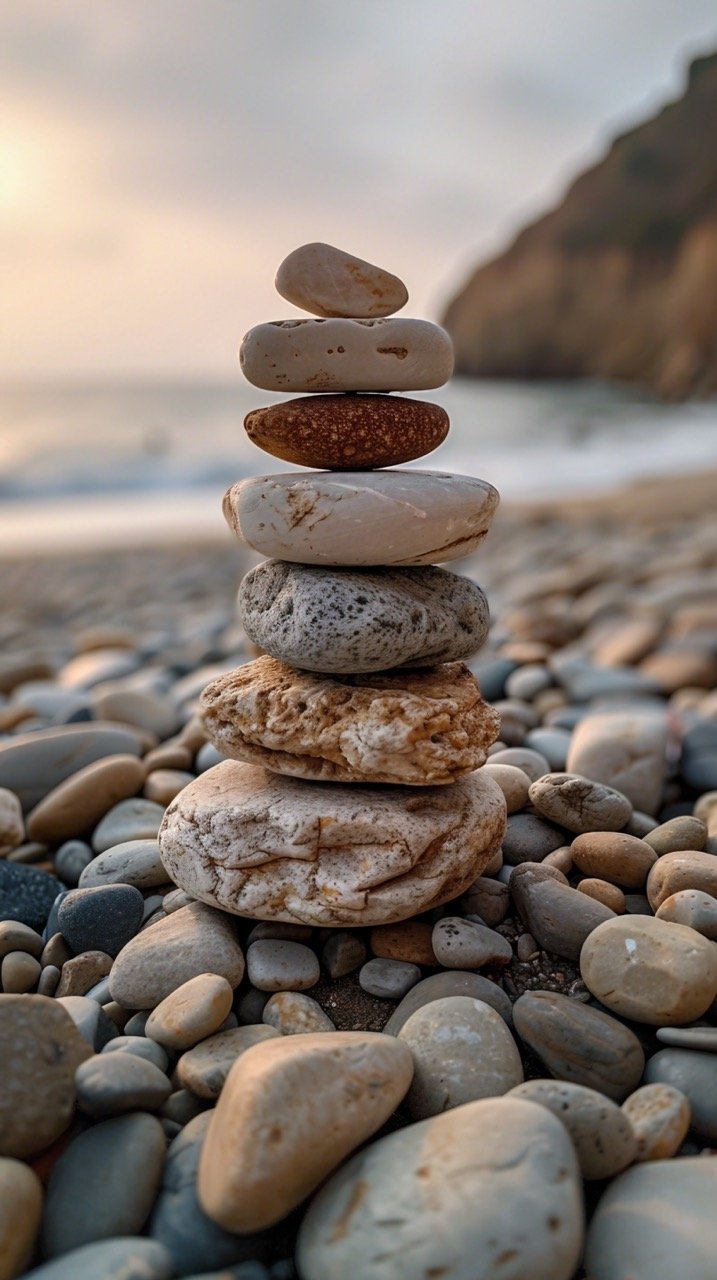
(518, 1082)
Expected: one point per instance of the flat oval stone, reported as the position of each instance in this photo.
(692, 869)
(650, 971)
(579, 804)
(15, 936)
(558, 916)
(656, 1221)
(330, 282)
(110, 1084)
(141, 1047)
(191, 1012)
(290, 1111)
(21, 1197)
(462, 1050)
(611, 855)
(601, 1133)
(123, 1258)
(418, 728)
(204, 1069)
(695, 1037)
(135, 862)
(580, 1044)
(452, 982)
(275, 964)
(660, 1117)
(78, 803)
(19, 972)
(398, 354)
(459, 1196)
(33, 764)
(260, 845)
(529, 838)
(388, 979)
(102, 918)
(129, 820)
(463, 944)
(679, 833)
(695, 1075)
(293, 1014)
(530, 762)
(190, 941)
(513, 783)
(348, 432)
(692, 908)
(40, 1049)
(359, 519)
(338, 621)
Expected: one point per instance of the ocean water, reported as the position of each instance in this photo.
(121, 463)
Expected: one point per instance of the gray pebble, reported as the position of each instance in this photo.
(453, 982)
(111, 1084)
(580, 1044)
(136, 819)
(461, 944)
(695, 1074)
(250, 1006)
(207, 757)
(343, 953)
(123, 1258)
(388, 979)
(487, 898)
(90, 1019)
(135, 862)
(141, 1047)
(601, 1133)
(101, 991)
(579, 804)
(533, 763)
(529, 838)
(551, 743)
(277, 965)
(71, 859)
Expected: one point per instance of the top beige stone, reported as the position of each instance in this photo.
(329, 282)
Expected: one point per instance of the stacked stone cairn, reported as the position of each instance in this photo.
(352, 793)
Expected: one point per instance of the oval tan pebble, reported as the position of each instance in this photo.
(40, 1051)
(21, 1199)
(692, 908)
(601, 1132)
(409, 940)
(691, 869)
(660, 1117)
(290, 1111)
(680, 833)
(650, 971)
(162, 785)
(261, 845)
(602, 891)
(204, 1068)
(183, 945)
(417, 728)
(192, 1012)
(343, 432)
(330, 282)
(513, 783)
(19, 972)
(78, 803)
(611, 855)
(397, 354)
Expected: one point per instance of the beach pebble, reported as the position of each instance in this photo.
(328, 854)
(487, 898)
(81, 973)
(529, 838)
(90, 1018)
(112, 1083)
(531, 763)
(461, 944)
(559, 917)
(660, 1117)
(554, 744)
(97, 665)
(692, 908)
(580, 1044)
(694, 1074)
(162, 785)
(396, 354)
(26, 894)
(21, 1198)
(388, 979)
(135, 862)
(656, 1221)
(129, 820)
(122, 1258)
(192, 1012)
(104, 1183)
(494, 1179)
(697, 1037)
(70, 861)
(690, 869)
(352, 620)
(140, 1047)
(204, 1069)
(330, 282)
(462, 1050)
(12, 827)
(614, 856)
(679, 833)
(258, 1161)
(600, 1131)
(157, 961)
(623, 750)
(650, 971)
(40, 1049)
(33, 764)
(348, 432)
(440, 986)
(19, 972)
(139, 707)
(415, 727)
(103, 918)
(344, 952)
(291, 1013)
(15, 936)
(514, 784)
(579, 804)
(602, 891)
(78, 803)
(409, 940)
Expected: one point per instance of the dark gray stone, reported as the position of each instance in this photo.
(529, 838)
(580, 1044)
(123, 1258)
(559, 917)
(27, 894)
(453, 982)
(388, 979)
(104, 918)
(111, 1084)
(71, 859)
(695, 1073)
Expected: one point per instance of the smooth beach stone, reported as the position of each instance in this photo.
(690, 869)
(180, 1224)
(388, 979)
(135, 862)
(679, 833)
(660, 1117)
(138, 707)
(340, 621)
(623, 750)
(272, 848)
(461, 1196)
(656, 1221)
(348, 432)
(614, 856)
(692, 908)
(190, 1013)
(204, 1069)
(689, 1037)
(397, 354)
(163, 785)
(12, 826)
(580, 1044)
(330, 282)
(579, 804)
(602, 891)
(290, 1111)
(360, 519)
(157, 961)
(529, 838)
(70, 861)
(440, 986)
(140, 1047)
(40, 1050)
(104, 1183)
(462, 944)
(695, 1075)
(19, 972)
(530, 762)
(275, 964)
(110, 1084)
(15, 936)
(601, 1133)
(653, 972)
(344, 952)
(21, 1197)
(122, 1258)
(137, 819)
(416, 728)
(513, 783)
(33, 764)
(293, 1014)
(558, 916)
(103, 918)
(95, 666)
(81, 973)
(462, 1050)
(409, 940)
(78, 803)
(26, 894)
(93, 1024)
(488, 899)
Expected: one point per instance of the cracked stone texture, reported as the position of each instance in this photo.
(362, 517)
(396, 354)
(417, 728)
(273, 848)
(341, 621)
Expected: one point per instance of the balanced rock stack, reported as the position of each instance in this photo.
(350, 795)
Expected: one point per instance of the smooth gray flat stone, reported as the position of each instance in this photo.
(32, 764)
(122, 1258)
(453, 982)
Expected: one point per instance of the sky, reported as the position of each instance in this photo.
(158, 158)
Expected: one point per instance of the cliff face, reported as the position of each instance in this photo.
(620, 280)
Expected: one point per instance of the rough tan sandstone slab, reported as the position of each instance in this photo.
(330, 282)
(418, 728)
(258, 844)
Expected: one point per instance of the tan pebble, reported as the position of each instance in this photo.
(494, 864)
(175, 899)
(15, 936)
(292, 1013)
(192, 736)
(409, 940)
(626, 751)
(40, 1049)
(549, 700)
(513, 783)
(676, 835)
(116, 1014)
(690, 869)
(163, 785)
(141, 709)
(12, 826)
(642, 968)
(330, 282)
(192, 1012)
(660, 1117)
(104, 637)
(78, 803)
(191, 941)
(171, 755)
(55, 951)
(20, 1213)
(674, 668)
(692, 908)
(600, 1131)
(32, 853)
(706, 809)
(290, 1111)
(203, 1069)
(19, 972)
(560, 859)
(83, 972)
(613, 856)
(12, 716)
(609, 894)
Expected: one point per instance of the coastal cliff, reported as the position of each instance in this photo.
(619, 281)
